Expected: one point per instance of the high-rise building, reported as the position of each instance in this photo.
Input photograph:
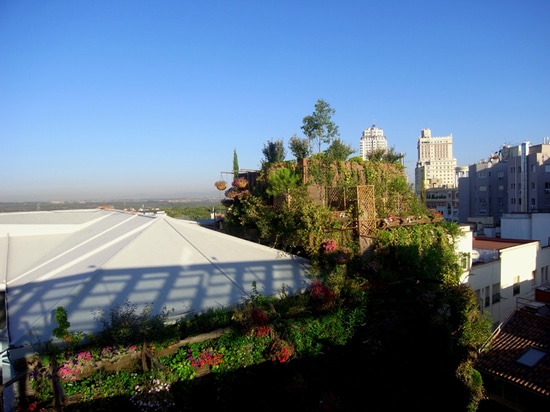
(435, 166)
(372, 139)
(513, 181)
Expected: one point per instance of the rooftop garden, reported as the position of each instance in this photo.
(385, 322)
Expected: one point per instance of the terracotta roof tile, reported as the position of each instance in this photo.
(524, 330)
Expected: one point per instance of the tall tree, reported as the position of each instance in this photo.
(319, 127)
(338, 150)
(235, 164)
(300, 148)
(274, 151)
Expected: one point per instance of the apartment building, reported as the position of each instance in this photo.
(514, 180)
(444, 201)
(372, 139)
(436, 166)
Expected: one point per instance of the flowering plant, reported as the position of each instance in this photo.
(231, 193)
(205, 357)
(69, 370)
(281, 351)
(240, 182)
(329, 245)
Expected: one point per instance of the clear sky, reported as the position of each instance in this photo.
(130, 98)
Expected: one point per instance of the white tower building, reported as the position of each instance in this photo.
(372, 139)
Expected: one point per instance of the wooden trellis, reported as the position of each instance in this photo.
(366, 210)
(339, 198)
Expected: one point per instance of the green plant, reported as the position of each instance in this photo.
(62, 332)
(240, 351)
(125, 326)
(211, 319)
(180, 365)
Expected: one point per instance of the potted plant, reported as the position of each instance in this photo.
(240, 182)
(231, 193)
(227, 202)
(221, 184)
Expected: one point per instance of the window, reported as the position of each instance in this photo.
(482, 188)
(516, 285)
(534, 168)
(533, 186)
(531, 357)
(500, 175)
(496, 293)
(500, 187)
(487, 297)
(512, 170)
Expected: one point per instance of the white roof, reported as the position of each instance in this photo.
(85, 260)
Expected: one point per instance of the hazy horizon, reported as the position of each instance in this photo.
(149, 99)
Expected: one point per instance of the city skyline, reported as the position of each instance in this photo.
(137, 99)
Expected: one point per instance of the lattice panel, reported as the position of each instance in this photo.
(366, 210)
(340, 198)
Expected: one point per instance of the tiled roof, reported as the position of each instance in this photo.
(524, 330)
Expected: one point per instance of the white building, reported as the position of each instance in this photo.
(436, 166)
(502, 272)
(372, 139)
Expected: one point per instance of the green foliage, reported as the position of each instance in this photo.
(282, 181)
(319, 127)
(240, 351)
(421, 252)
(300, 148)
(235, 164)
(179, 365)
(338, 150)
(124, 326)
(212, 319)
(61, 331)
(189, 212)
(274, 151)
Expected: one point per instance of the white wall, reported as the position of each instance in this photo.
(514, 261)
(529, 226)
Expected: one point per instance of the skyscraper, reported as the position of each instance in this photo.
(372, 139)
(435, 166)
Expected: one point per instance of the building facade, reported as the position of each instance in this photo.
(514, 180)
(444, 201)
(436, 166)
(372, 139)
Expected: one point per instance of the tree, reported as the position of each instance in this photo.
(300, 148)
(319, 126)
(338, 150)
(391, 156)
(235, 164)
(376, 155)
(274, 151)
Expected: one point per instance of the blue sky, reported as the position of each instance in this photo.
(125, 99)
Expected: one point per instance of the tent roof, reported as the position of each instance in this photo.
(90, 260)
